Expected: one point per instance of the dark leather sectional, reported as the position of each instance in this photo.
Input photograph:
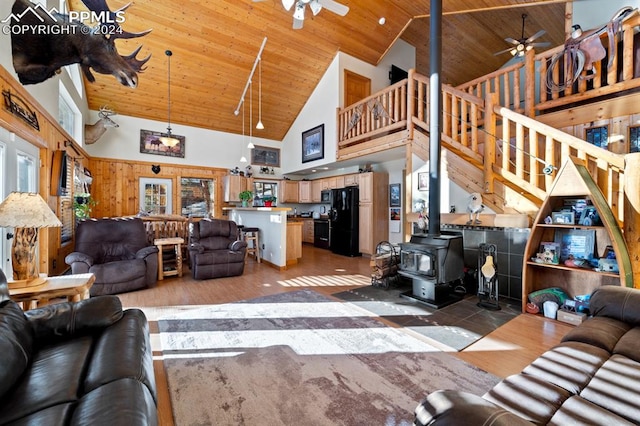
(84, 363)
(592, 377)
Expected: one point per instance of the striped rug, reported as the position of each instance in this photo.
(300, 358)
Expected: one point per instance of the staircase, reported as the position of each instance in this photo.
(493, 138)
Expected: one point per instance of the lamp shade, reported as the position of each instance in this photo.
(27, 210)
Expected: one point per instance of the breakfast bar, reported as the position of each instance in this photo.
(280, 240)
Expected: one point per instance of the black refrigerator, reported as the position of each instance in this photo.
(344, 222)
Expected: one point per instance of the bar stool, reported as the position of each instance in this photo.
(251, 235)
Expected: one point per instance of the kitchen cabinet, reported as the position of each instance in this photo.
(307, 231)
(233, 186)
(324, 184)
(351, 180)
(288, 191)
(294, 242)
(339, 181)
(365, 184)
(543, 268)
(304, 191)
(373, 210)
(316, 189)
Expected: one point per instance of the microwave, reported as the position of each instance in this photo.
(325, 196)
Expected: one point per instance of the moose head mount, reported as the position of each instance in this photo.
(43, 42)
(92, 132)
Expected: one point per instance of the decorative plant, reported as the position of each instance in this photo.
(245, 195)
(82, 205)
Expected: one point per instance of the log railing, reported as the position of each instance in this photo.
(508, 146)
(524, 86)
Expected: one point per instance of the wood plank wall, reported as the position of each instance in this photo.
(116, 184)
(49, 138)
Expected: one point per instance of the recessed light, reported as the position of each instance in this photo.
(313, 171)
(382, 20)
(325, 168)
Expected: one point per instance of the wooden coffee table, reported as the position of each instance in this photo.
(73, 287)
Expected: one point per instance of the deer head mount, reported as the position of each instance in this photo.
(92, 132)
(43, 42)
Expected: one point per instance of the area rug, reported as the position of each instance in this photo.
(453, 327)
(300, 358)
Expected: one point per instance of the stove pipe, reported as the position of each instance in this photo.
(435, 115)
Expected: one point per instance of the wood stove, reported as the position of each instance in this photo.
(434, 263)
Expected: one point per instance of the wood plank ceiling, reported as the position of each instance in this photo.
(215, 44)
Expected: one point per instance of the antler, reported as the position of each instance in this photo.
(136, 64)
(105, 111)
(101, 8)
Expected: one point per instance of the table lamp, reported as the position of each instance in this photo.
(26, 212)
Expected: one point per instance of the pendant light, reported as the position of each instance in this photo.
(251, 145)
(168, 139)
(243, 159)
(260, 126)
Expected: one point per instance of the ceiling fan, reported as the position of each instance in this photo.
(523, 44)
(315, 6)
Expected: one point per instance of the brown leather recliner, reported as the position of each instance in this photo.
(214, 249)
(117, 253)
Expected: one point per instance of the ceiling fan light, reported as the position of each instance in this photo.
(315, 7)
(287, 4)
(529, 48)
(299, 12)
(513, 52)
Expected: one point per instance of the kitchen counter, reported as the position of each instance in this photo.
(274, 232)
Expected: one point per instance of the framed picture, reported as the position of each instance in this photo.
(579, 243)
(313, 144)
(563, 218)
(394, 214)
(152, 143)
(590, 217)
(423, 181)
(549, 252)
(265, 156)
(394, 195)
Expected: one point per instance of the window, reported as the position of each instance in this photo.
(634, 139)
(26, 173)
(262, 190)
(156, 195)
(197, 197)
(66, 204)
(68, 114)
(598, 136)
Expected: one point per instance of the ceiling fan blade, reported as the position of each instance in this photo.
(297, 24)
(503, 51)
(535, 36)
(540, 44)
(512, 41)
(334, 6)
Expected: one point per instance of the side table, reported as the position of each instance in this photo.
(176, 242)
(73, 287)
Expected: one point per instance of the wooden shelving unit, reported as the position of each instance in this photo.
(574, 182)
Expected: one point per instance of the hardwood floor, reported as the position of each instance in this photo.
(505, 351)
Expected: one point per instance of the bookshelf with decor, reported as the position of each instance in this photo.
(576, 243)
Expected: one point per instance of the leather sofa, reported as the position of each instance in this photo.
(116, 251)
(591, 377)
(214, 249)
(85, 363)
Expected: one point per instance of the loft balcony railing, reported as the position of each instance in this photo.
(490, 121)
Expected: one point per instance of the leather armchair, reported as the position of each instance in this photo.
(117, 253)
(214, 249)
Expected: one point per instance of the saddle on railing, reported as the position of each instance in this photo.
(582, 50)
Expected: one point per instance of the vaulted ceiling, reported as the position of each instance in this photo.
(215, 43)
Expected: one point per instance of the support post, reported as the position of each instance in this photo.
(435, 115)
(632, 212)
